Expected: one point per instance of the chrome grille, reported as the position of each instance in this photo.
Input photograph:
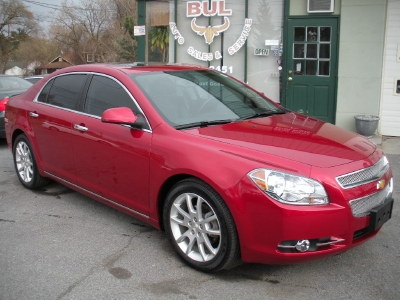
(365, 175)
(361, 207)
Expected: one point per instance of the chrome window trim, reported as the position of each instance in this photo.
(150, 130)
(97, 195)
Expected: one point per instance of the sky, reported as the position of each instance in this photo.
(45, 10)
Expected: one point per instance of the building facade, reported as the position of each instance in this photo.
(329, 59)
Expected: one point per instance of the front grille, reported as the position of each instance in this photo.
(360, 207)
(365, 175)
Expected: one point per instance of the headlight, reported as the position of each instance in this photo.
(288, 188)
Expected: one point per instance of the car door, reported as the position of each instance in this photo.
(111, 160)
(50, 117)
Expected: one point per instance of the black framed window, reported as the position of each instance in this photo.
(105, 93)
(45, 92)
(65, 91)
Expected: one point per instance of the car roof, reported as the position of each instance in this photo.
(132, 68)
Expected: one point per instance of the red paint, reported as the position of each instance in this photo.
(132, 167)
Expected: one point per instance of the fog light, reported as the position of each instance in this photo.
(303, 245)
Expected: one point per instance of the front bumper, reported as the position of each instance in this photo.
(265, 225)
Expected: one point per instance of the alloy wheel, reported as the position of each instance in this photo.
(195, 227)
(24, 162)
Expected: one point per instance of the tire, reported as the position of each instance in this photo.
(25, 164)
(200, 227)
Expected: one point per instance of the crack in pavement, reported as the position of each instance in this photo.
(107, 263)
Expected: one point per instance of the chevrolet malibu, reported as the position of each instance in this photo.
(228, 174)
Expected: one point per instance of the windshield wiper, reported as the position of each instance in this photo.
(263, 114)
(203, 124)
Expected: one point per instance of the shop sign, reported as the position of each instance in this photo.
(139, 30)
(195, 9)
(261, 52)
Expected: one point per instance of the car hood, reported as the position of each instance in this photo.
(295, 137)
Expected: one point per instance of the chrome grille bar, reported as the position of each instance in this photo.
(365, 175)
(360, 207)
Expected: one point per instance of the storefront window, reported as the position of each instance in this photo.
(157, 33)
(264, 71)
(214, 34)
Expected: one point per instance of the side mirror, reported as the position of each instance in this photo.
(122, 115)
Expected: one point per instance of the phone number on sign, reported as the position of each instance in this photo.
(223, 69)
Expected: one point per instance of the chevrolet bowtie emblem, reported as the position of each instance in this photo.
(381, 184)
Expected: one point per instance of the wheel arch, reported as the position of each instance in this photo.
(15, 134)
(165, 188)
(169, 183)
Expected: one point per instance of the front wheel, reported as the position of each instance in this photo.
(200, 226)
(25, 164)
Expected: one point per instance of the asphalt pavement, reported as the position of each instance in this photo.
(58, 244)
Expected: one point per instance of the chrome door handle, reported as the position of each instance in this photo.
(33, 115)
(80, 128)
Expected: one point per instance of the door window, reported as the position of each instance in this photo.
(65, 91)
(105, 93)
(45, 92)
(312, 50)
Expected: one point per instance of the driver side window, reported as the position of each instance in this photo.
(105, 93)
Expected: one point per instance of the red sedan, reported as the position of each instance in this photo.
(227, 173)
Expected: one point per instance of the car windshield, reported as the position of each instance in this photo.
(201, 97)
(11, 83)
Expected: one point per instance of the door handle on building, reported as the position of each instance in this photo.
(289, 79)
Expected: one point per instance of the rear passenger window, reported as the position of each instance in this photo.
(105, 93)
(66, 90)
(45, 92)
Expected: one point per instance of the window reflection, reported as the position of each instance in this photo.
(298, 50)
(312, 34)
(311, 67)
(325, 34)
(324, 51)
(299, 34)
(312, 51)
(324, 68)
(316, 51)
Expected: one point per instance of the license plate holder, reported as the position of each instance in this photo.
(380, 215)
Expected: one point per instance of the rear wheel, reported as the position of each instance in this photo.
(25, 164)
(200, 226)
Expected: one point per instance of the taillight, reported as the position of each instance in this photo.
(3, 103)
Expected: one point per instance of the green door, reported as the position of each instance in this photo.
(311, 68)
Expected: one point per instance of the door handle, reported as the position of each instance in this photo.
(289, 79)
(81, 128)
(33, 115)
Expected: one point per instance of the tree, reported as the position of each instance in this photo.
(159, 39)
(127, 44)
(36, 50)
(86, 28)
(16, 23)
(97, 27)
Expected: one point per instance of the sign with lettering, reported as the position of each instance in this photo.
(139, 30)
(261, 52)
(196, 9)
